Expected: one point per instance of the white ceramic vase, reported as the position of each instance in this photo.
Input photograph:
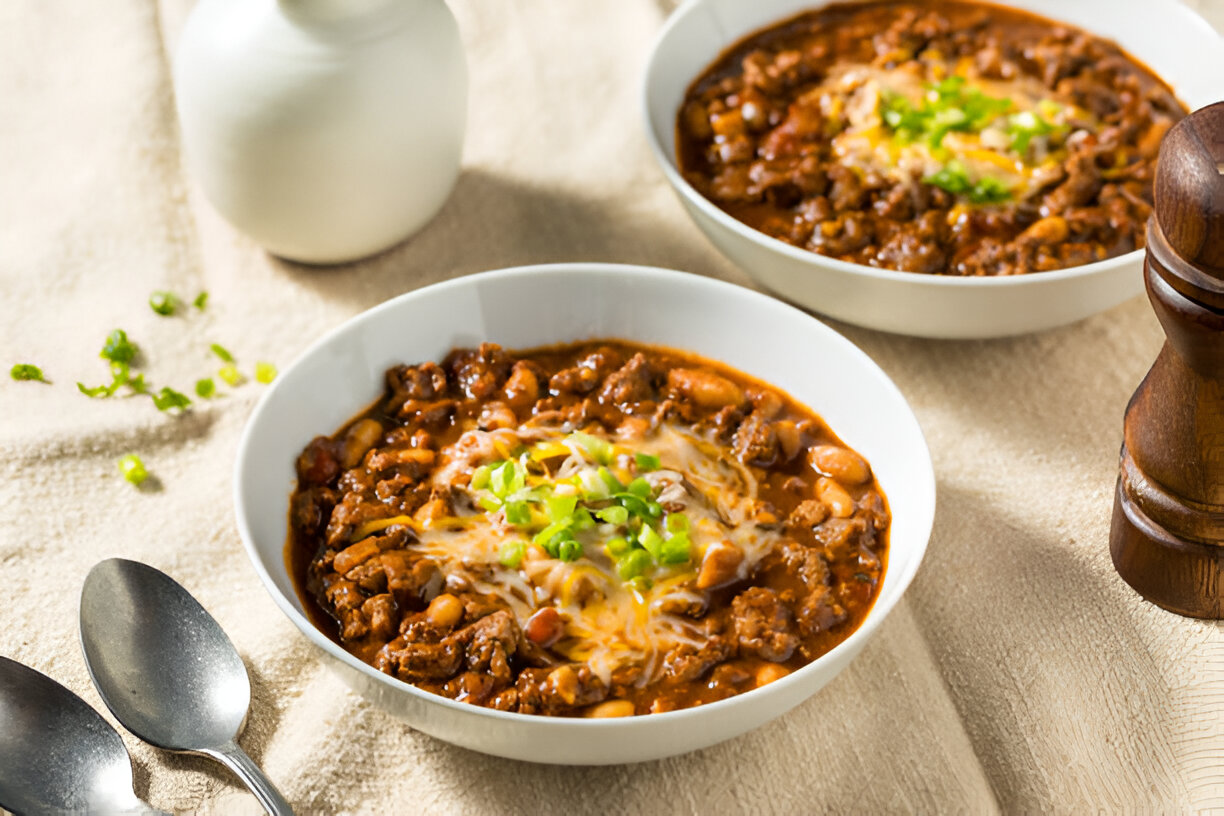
(326, 130)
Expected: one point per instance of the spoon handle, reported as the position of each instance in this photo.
(234, 758)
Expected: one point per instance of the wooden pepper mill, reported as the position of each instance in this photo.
(1167, 537)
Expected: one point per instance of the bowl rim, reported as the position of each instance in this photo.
(823, 262)
(880, 609)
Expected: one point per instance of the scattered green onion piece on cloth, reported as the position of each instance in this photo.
(118, 349)
(265, 372)
(121, 375)
(222, 352)
(205, 388)
(168, 399)
(201, 301)
(164, 303)
(133, 469)
(230, 375)
(27, 372)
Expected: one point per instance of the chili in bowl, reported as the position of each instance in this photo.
(621, 532)
(943, 168)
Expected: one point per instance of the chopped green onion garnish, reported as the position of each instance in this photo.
(677, 523)
(511, 553)
(222, 352)
(989, 191)
(632, 564)
(674, 550)
(614, 514)
(570, 550)
(582, 519)
(201, 301)
(543, 537)
(205, 388)
(121, 375)
(164, 303)
(117, 348)
(553, 545)
(954, 179)
(517, 513)
(616, 547)
(946, 106)
(645, 462)
(133, 469)
(599, 449)
(168, 399)
(26, 371)
(1026, 125)
(611, 481)
(137, 383)
(640, 488)
(265, 373)
(230, 375)
(507, 479)
(480, 477)
(561, 508)
(651, 541)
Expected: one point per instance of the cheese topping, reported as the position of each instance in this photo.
(986, 140)
(616, 613)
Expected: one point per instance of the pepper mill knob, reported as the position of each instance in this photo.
(1167, 536)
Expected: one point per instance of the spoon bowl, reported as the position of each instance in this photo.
(166, 669)
(58, 755)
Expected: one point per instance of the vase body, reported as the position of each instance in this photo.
(326, 130)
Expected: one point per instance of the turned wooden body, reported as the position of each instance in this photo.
(1167, 537)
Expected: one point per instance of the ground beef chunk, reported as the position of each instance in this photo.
(421, 383)
(413, 662)
(755, 441)
(557, 690)
(490, 643)
(687, 663)
(818, 612)
(763, 625)
(587, 374)
(481, 373)
(808, 513)
(630, 383)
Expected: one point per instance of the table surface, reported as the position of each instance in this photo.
(1019, 673)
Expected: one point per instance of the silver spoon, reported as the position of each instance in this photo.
(166, 669)
(57, 755)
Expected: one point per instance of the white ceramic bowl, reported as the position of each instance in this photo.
(343, 373)
(1177, 44)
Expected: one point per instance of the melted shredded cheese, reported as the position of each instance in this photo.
(853, 94)
(609, 623)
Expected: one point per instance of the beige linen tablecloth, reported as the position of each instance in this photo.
(1019, 674)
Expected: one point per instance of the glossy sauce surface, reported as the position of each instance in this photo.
(404, 551)
(938, 137)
